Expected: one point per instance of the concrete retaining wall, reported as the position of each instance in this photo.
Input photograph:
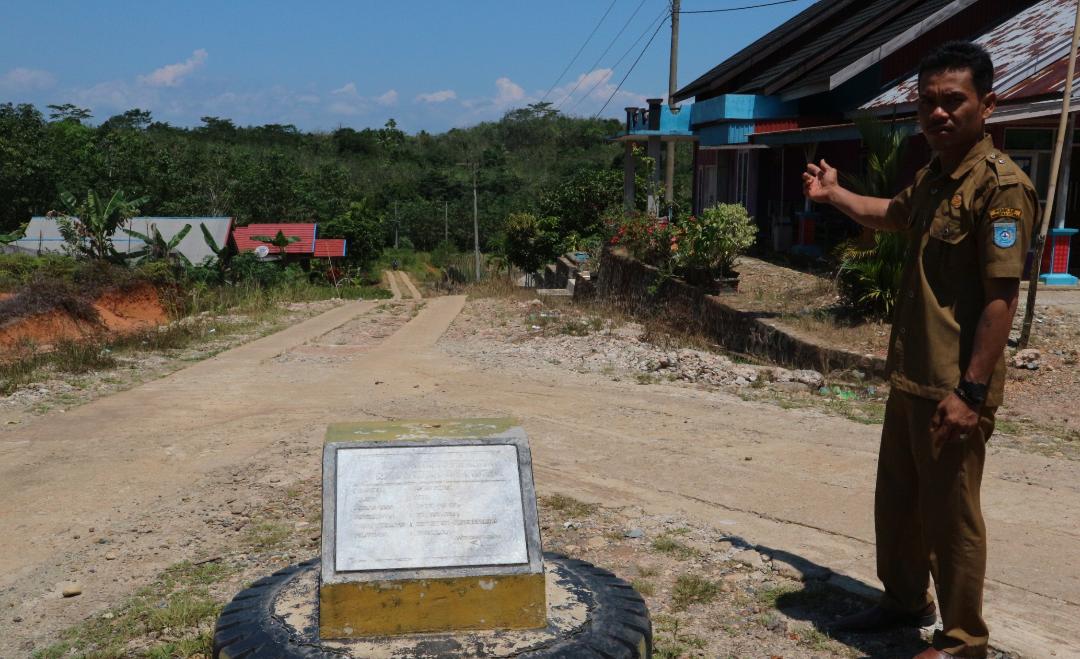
(640, 290)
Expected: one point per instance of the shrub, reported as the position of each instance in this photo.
(713, 241)
(869, 278)
(531, 241)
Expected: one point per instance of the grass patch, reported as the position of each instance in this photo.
(670, 642)
(266, 535)
(692, 589)
(666, 544)
(768, 597)
(177, 612)
(569, 506)
(644, 586)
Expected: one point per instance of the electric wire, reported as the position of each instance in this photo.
(663, 14)
(602, 55)
(631, 70)
(578, 54)
(757, 6)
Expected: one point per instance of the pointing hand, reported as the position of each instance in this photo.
(819, 181)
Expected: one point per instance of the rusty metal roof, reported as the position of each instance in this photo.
(1027, 50)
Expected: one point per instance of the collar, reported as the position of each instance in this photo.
(981, 150)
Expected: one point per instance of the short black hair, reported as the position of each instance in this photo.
(959, 55)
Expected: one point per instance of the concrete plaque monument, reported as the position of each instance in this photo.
(429, 526)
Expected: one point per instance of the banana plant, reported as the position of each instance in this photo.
(6, 238)
(88, 227)
(221, 252)
(281, 241)
(157, 247)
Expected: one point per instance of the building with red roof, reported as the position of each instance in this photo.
(243, 237)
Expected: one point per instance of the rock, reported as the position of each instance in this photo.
(634, 533)
(237, 509)
(777, 624)
(110, 556)
(17, 619)
(749, 558)
(107, 616)
(71, 590)
(569, 525)
(1027, 358)
(790, 386)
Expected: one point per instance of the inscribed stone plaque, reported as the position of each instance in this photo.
(429, 507)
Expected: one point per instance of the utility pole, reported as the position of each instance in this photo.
(1044, 225)
(673, 71)
(475, 223)
(446, 221)
(397, 224)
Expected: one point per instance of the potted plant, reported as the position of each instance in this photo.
(707, 246)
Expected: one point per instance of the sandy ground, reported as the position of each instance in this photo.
(169, 470)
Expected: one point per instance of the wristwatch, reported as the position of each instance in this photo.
(972, 393)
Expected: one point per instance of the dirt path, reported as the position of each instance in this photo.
(155, 474)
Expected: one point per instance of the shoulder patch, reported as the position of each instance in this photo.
(1005, 233)
(1013, 213)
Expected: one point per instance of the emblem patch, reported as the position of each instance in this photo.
(1005, 234)
(956, 201)
(1014, 213)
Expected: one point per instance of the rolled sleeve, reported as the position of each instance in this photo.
(1005, 232)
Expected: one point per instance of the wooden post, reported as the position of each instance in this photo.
(1040, 242)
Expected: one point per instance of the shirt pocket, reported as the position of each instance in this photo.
(949, 226)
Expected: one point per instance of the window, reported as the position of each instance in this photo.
(1032, 149)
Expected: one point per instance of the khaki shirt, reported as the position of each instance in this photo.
(964, 228)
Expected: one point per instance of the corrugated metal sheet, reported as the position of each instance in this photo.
(806, 20)
(1021, 47)
(43, 235)
(836, 33)
(305, 232)
(327, 248)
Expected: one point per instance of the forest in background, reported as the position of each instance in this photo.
(532, 160)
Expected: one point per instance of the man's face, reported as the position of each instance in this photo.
(951, 114)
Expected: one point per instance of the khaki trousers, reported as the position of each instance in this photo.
(929, 521)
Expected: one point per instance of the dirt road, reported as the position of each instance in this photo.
(148, 473)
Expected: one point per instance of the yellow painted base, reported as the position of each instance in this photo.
(386, 608)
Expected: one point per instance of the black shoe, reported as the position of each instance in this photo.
(878, 619)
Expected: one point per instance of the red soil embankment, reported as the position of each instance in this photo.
(120, 312)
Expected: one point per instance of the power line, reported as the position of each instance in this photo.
(574, 59)
(757, 6)
(632, 67)
(603, 54)
(663, 14)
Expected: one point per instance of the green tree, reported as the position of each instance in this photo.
(580, 201)
(531, 241)
(362, 229)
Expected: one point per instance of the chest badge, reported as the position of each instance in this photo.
(1005, 234)
(956, 201)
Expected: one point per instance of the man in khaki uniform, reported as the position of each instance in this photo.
(969, 217)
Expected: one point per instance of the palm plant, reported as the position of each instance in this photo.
(281, 241)
(870, 276)
(88, 227)
(157, 247)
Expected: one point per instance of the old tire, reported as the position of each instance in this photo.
(618, 626)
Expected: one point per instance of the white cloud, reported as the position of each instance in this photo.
(307, 98)
(509, 92)
(438, 97)
(340, 107)
(21, 78)
(172, 75)
(389, 98)
(588, 92)
(348, 89)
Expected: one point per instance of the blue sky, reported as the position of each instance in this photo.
(319, 65)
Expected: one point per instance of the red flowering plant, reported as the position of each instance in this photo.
(648, 238)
